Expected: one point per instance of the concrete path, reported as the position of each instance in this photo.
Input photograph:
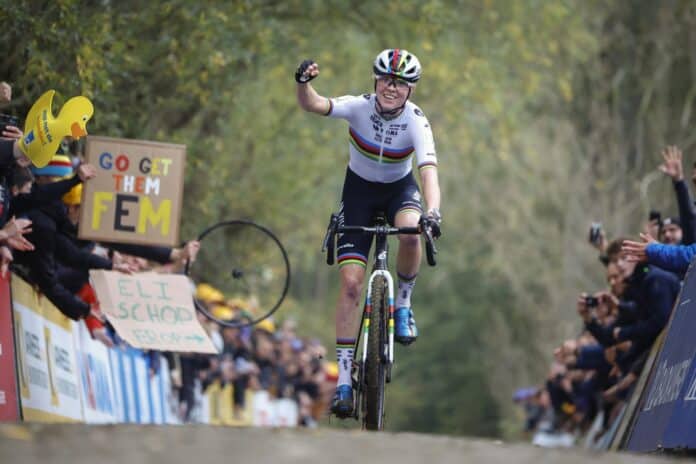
(136, 444)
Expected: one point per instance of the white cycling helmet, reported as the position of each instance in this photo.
(398, 63)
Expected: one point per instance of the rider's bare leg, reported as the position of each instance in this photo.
(348, 318)
(409, 256)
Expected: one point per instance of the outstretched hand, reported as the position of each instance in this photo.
(186, 253)
(15, 227)
(191, 250)
(14, 231)
(123, 268)
(672, 165)
(86, 171)
(635, 251)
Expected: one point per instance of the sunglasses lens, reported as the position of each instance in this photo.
(391, 80)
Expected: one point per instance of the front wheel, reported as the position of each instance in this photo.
(376, 369)
(246, 262)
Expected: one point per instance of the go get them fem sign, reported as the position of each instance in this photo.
(137, 194)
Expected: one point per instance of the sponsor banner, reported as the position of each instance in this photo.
(286, 413)
(218, 406)
(137, 193)
(270, 412)
(156, 406)
(117, 385)
(129, 392)
(49, 385)
(666, 416)
(97, 385)
(9, 403)
(260, 410)
(141, 384)
(152, 311)
(210, 409)
(264, 410)
(170, 397)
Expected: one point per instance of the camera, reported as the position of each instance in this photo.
(595, 233)
(591, 301)
(7, 120)
(655, 216)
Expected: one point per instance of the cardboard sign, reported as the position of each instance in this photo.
(151, 311)
(137, 194)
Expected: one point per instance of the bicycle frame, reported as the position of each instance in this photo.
(380, 269)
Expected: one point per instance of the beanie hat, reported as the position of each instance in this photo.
(59, 166)
(74, 196)
(671, 220)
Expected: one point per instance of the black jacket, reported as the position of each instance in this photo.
(7, 162)
(654, 291)
(52, 246)
(687, 215)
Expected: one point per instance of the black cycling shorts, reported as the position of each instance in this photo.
(361, 201)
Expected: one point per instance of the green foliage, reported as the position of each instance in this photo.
(544, 113)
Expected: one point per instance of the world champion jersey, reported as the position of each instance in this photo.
(381, 150)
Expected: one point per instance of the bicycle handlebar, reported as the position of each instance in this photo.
(376, 230)
(423, 228)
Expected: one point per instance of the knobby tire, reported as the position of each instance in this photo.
(376, 366)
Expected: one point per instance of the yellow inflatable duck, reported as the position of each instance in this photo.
(43, 132)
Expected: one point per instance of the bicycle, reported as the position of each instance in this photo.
(246, 261)
(374, 367)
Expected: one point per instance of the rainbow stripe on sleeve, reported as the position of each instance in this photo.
(427, 164)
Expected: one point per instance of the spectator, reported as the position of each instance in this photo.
(669, 257)
(49, 222)
(671, 233)
(654, 292)
(597, 370)
(5, 92)
(12, 232)
(672, 167)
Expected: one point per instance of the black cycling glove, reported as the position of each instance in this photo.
(300, 76)
(434, 220)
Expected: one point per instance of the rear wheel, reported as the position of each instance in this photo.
(376, 371)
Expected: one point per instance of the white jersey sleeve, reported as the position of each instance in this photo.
(348, 106)
(423, 142)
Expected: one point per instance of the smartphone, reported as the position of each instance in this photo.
(7, 120)
(655, 216)
(595, 233)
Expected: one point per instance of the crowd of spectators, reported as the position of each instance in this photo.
(593, 375)
(39, 216)
(275, 359)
